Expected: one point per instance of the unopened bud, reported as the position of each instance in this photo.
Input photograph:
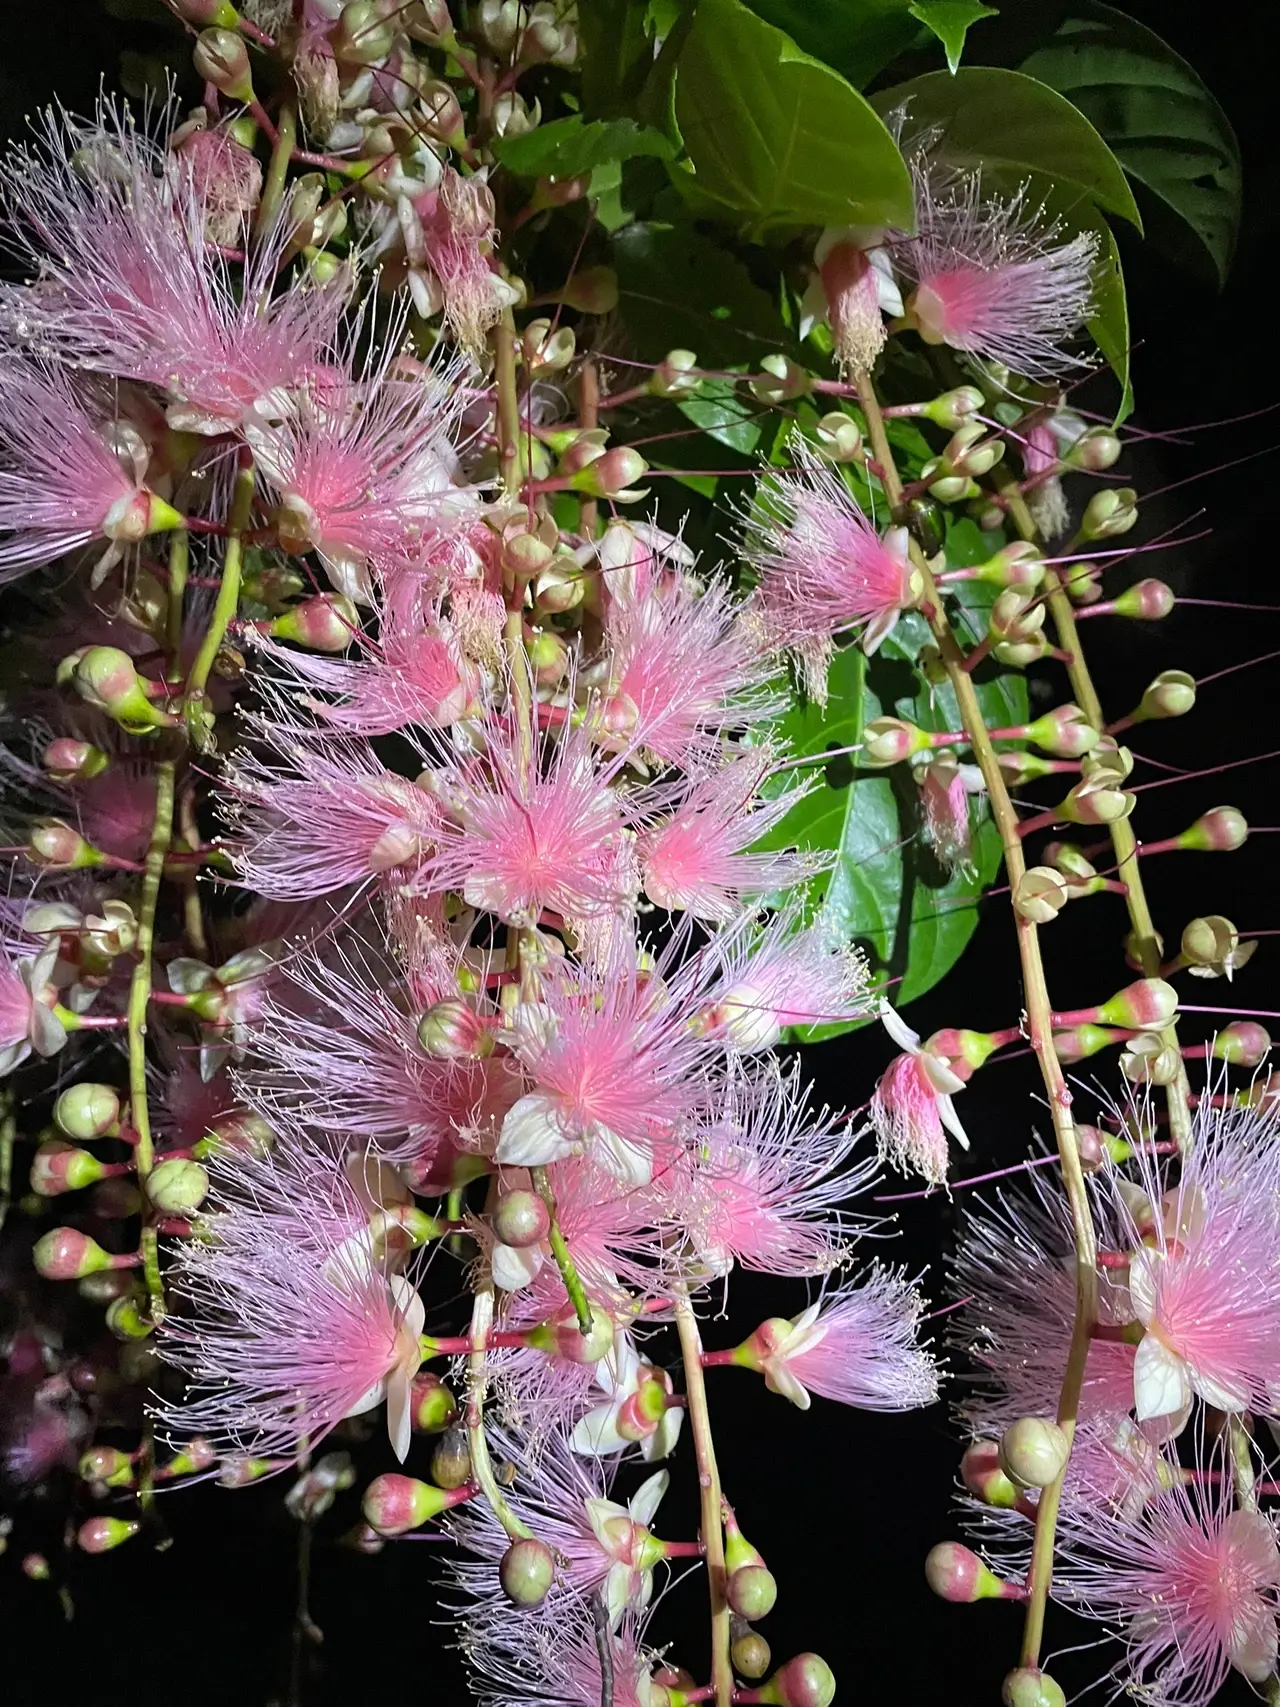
(526, 555)
(451, 1460)
(752, 1592)
(1109, 513)
(101, 1534)
(984, 1476)
(970, 451)
(1147, 1005)
(454, 1031)
(432, 1406)
(675, 375)
(593, 290)
(395, 1504)
(1147, 601)
(948, 488)
(327, 623)
(548, 658)
(1065, 732)
(1095, 451)
(221, 58)
(74, 761)
(781, 380)
(891, 740)
(58, 1166)
(1079, 1042)
(58, 847)
(177, 1187)
(1016, 565)
(1244, 1044)
(526, 1571)
(1222, 830)
(364, 35)
(750, 1654)
(1095, 801)
(1082, 583)
(1016, 616)
(955, 1573)
(1021, 654)
(106, 1465)
(612, 476)
(1033, 1452)
(559, 588)
(67, 1254)
(441, 113)
(105, 678)
(521, 1220)
(805, 1681)
(840, 437)
(953, 407)
(1040, 895)
(1171, 694)
(125, 1319)
(1030, 1687)
(561, 1336)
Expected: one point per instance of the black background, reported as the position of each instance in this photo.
(844, 1506)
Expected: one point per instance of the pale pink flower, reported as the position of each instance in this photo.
(858, 1345)
(319, 819)
(294, 1317)
(991, 278)
(823, 567)
(621, 1375)
(1041, 458)
(70, 472)
(27, 999)
(945, 787)
(1190, 1582)
(780, 976)
(513, 1665)
(225, 177)
(697, 860)
(911, 1107)
(448, 238)
(852, 289)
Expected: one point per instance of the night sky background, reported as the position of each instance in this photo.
(844, 1506)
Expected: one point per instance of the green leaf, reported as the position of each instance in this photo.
(566, 147)
(615, 54)
(777, 138)
(858, 40)
(729, 415)
(1007, 122)
(950, 21)
(1165, 127)
(679, 290)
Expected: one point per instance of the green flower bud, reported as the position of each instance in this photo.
(57, 1167)
(1028, 1687)
(1109, 513)
(395, 1504)
(221, 58)
(101, 1534)
(526, 1572)
(177, 1186)
(1033, 1452)
(125, 1319)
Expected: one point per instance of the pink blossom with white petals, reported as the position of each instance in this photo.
(513, 1665)
(853, 288)
(779, 976)
(448, 237)
(27, 999)
(911, 1107)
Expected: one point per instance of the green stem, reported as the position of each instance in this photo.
(560, 1251)
(712, 1518)
(277, 170)
(8, 1132)
(477, 1386)
(1040, 1031)
(179, 566)
(199, 720)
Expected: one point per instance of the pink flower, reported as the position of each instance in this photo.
(991, 279)
(1191, 1583)
(294, 1317)
(911, 1107)
(448, 238)
(858, 1346)
(70, 473)
(1041, 458)
(697, 860)
(945, 788)
(781, 976)
(225, 177)
(557, 1666)
(324, 818)
(822, 566)
(27, 1000)
(852, 289)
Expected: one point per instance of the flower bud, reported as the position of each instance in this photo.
(1096, 801)
(58, 847)
(454, 1031)
(521, 1220)
(1040, 895)
(1147, 1005)
(805, 1681)
(548, 658)
(73, 761)
(1094, 451)
(752, 1592)
(1109, 513)
(1222, 830)
(177, 1187)
(1033, 1452)
(948, 488)
(57, 1167)
(955, 1573)
(750, 1654)
(395, 1504)
(1244, 1044)
(781, 380)
(1065, 732)
(1208, 942)
(205, 12)
(428, 21)
(327, 623)
(1016, 616)
(840, 437)
(1029, 1687)
(560, 1336)
(1147, 601)
(106, 679)
(613, 476)
(1021, 654)
(514, 116)
(125, 1320)
(1079, 1042)
(560, 587)
(101, 1534)
(986, 1480)
(365, 34)
(965, 1051)
(221, 58)
(890, 740)
(441, 113)
(1016, 565)
(639, 1414)
(1148, 1061)
(451, 1460)
(106, 1465)
(526, 1571)
(547, 350)
(67, 1254)
(675, 375)
(1082, 583)
(969, 451)
(593, 290)
(953, 407)
(433, 1407)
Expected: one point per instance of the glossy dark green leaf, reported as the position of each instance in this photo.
(566, 147)
(615, 55)
(1005, 121)
(858, 38)
(775, 137)
(729, 414)
(951, 21)
(1164, 126)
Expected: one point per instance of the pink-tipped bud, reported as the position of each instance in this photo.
(1109, 513)
(327, 623)
(613, 475)
(752, 1592)
(1146, 601)
(1016, 565)
(1016, 616)
(1149, 1004)
(1095, 451)
(964, 1051)
(1244, 1044)
(986, 1480)
(1065, 732)
(177, 1186)
(840, 437)
(67, 1254)
(1040, 895)
(1030, 1687)
(676, 375)
(805, 1681)
(57, 1167)
(1033, 1452)
(891, 740)
(395, 1504)
(454, 1031)
(73, 761)
(432, 1407)
(101, 1534)
(561, 1336)
(750, 1653)
(521, 1220)
(221, 58)
(1079, 1042)
(526, 1571)
(220, 13)
(57, 847)
(955, 1573)
(106, 1465)
(1222, 830)
(592, 290)
(365, 34)
(953, 408)
(1096, 800)
(105, 677)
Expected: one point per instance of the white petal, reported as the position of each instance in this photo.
(413, 1312)
(877, 631)
(1143, 1284)
(1160, 1382)
(942, 1078)
(779, 1379)
(617, 1372)
(400, 1410)
(899, 1030)
(371, 1397)
(186, 976)
(662, 1442)
(600, 1514)
(617, 1593)
(531, 1136)
(512, 1268)
(648, 1496)
(631, 1164)
(951, 1120)
(596, 1435)
(1219, 1394)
